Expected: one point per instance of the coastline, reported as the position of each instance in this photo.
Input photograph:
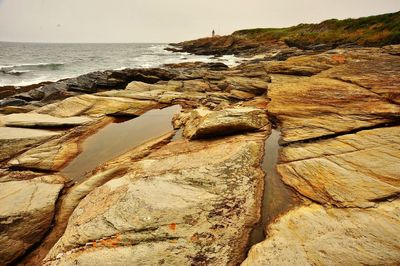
(289, 157)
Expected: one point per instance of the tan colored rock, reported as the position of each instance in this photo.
(392, 49)
(16, 140)
(355, 170)
(137, 86)
(257, 102)
(7, 175)
(315, 107)
(242, 94)
(305, 65)
(197, 85)
(309, 65)
(71, 197)
(157, 95)
(26, 213)
(94, 105)
(379, 75)
(187, 203)
(54, 154)
(41, 120)
(203, 123)
(256, 86)
(313, 235)
(180, 119)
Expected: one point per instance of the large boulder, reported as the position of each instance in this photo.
(205, 123)
(26, 213)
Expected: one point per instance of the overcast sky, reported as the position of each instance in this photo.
(165, 20)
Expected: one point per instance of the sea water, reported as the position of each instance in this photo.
(30, 63)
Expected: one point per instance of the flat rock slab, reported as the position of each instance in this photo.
(55, 153)
(187, 203)
(313, 235)
(158, 95)
(305, 65)
(380, 75)
(309, 65)
(16, 140)
(203, 123)
(314, 107)
(354, 170)
(26, 213)
(95, 105)
(41, 120)
(254, 85)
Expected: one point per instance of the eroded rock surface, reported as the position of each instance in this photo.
(314, 107)
(16, 140)
(314, 235)
(341, 157)
(55, 153)
(380, 75)
(26, 212)
(41, 120)
(355, 170)
(93, 105)
(202, 123)
(195, 200)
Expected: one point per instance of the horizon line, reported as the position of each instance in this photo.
(43, 42)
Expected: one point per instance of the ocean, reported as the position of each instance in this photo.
(31, 63)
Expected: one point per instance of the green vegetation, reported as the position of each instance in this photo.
(367, 31)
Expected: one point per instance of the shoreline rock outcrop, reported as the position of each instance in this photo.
(193, 196)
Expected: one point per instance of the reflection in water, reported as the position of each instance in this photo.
(277, 197)
(118, 138)
(178, 135)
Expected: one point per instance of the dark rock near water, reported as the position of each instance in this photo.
(45, 93)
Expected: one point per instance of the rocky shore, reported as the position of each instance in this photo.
(194, 195)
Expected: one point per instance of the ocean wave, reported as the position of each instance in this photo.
(28, 81)
(30, 65)
(14, 72)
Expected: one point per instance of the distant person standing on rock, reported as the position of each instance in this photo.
(213, 33)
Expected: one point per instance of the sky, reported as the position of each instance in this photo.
(165, 20)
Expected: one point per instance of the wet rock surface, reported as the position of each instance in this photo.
(194, 199)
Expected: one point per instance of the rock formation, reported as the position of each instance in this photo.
(194, 195)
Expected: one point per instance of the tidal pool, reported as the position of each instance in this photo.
(118, 138)
(277, 196)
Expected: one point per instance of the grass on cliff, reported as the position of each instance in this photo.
(367, 31)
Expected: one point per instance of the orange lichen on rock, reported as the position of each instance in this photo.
(338, 58)
(172, 226)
